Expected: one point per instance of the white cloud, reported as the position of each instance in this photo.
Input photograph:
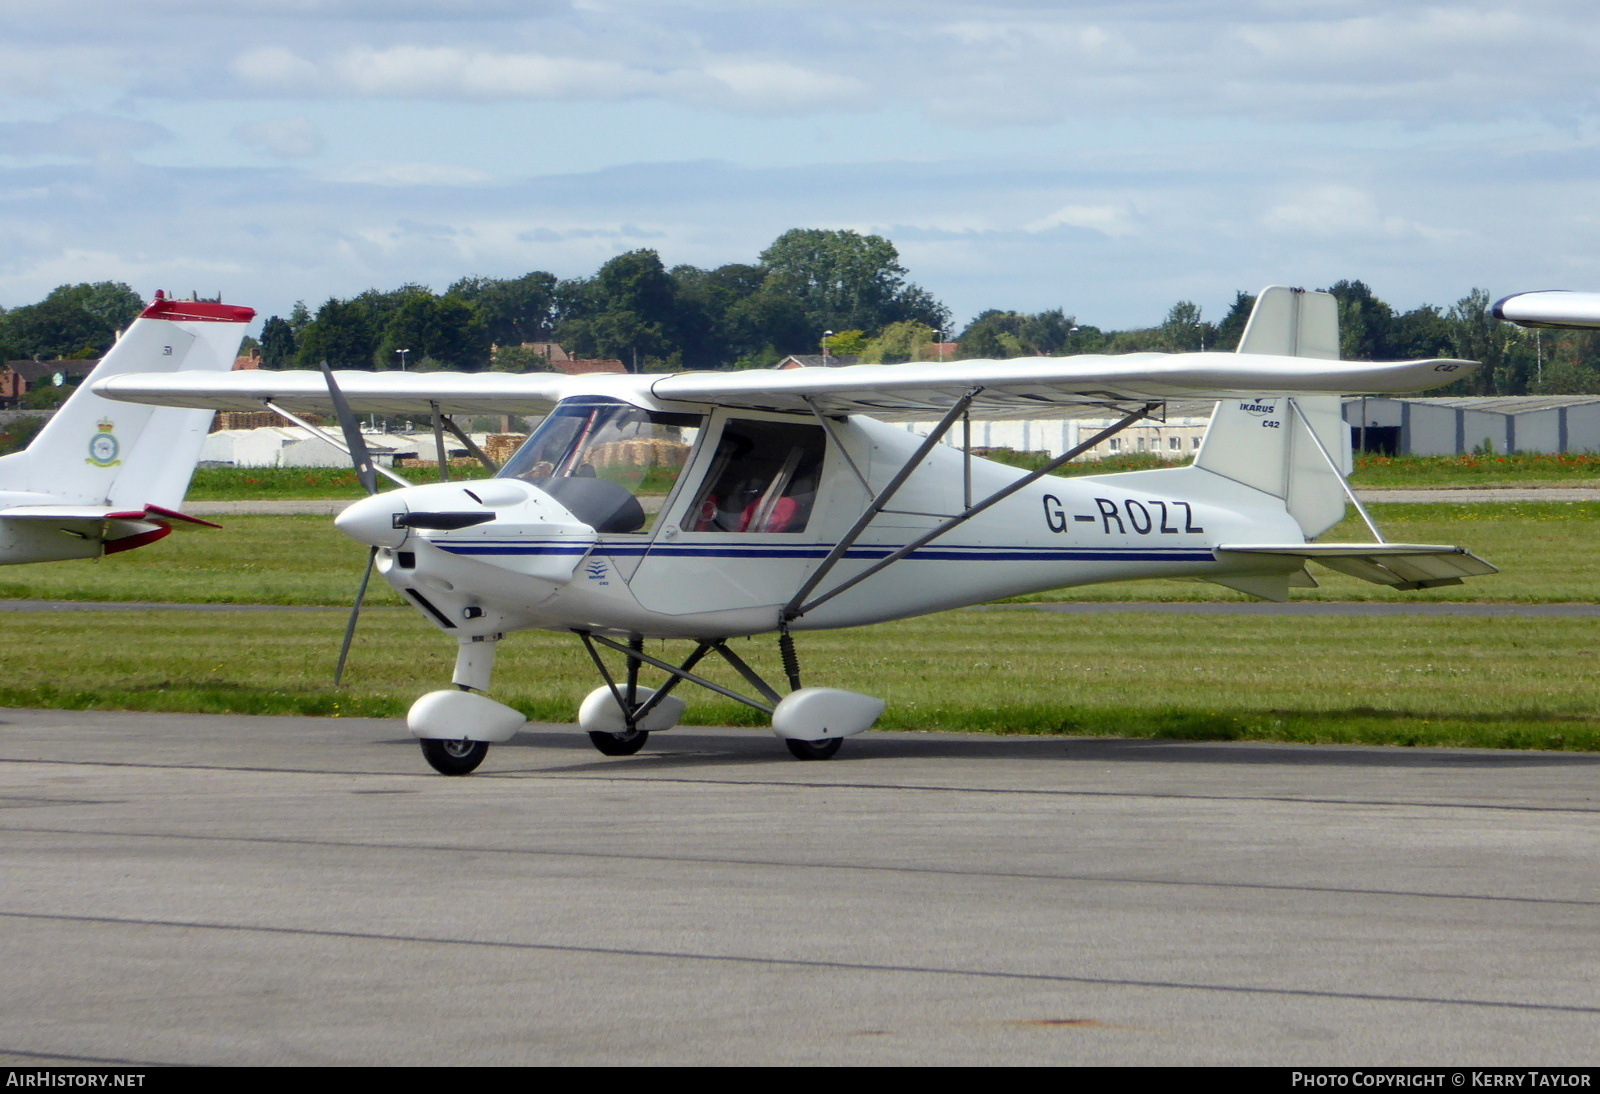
(779, 86)
(1110, 220)
(282, 138)
(80, 135)
(274, 67)
(404, 174)
(425, 72)
(1332, 210)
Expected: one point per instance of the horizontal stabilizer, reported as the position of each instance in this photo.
(99, 512)
(1399, 565)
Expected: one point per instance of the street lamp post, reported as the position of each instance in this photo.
(402, 353)
(827, 334)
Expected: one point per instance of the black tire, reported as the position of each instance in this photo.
(454, 757)
(619, 744)
(813, 750)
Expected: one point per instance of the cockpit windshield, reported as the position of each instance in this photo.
(610, 463)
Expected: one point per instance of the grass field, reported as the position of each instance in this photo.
(1488, 682)
(1546, 551)
(246, 484)
(1510, 683)
(1518, 469)
(263, 483)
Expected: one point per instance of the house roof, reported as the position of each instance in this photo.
(33, 371)
(817, 360)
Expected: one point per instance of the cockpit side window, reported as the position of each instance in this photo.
(610, 463)
(763, 478)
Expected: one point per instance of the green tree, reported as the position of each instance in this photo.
(992, 335)
(1365, 323)
(627, 311)
(843, 280)
(1420, 333)
(72, 321)
(1231, 329)
(512, 310)
(1506, 351)
(907, 340)
(846, 342)
(998, 334)
(716, 322)
(340, 335)
(277, 343)
(1184, 331)
(445, 330)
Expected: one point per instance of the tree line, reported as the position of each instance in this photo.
(810, 287)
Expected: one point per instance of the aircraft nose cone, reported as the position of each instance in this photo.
(371, 521)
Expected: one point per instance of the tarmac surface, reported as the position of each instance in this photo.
(212, 889)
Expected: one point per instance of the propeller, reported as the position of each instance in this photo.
(362, 459)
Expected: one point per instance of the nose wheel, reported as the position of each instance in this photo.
(454, 757)
(619, 744)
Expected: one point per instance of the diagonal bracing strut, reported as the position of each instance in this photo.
(677, 672)
(793, 609)
(797, 606)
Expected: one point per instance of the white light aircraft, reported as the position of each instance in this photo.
(102, 477)
(787, 503)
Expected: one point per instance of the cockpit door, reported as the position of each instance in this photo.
(749, 521)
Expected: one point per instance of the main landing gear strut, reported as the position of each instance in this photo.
(621, 715)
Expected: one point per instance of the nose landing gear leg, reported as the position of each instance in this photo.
(461, 756)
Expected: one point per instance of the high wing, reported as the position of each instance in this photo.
(1032, 387)
(1044, 387)
(367, 392)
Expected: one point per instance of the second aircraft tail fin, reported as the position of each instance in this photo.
(98, 452)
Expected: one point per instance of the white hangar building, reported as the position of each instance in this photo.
(1459, 425)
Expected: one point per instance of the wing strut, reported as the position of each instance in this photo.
(438, 443)
(799, 606)
(331, 439)
(477, 453)
(792, 610)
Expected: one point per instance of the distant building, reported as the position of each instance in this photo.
(575, 366)
(292, 446)
(817, 360)
(17, 378)
(1176, 435)
(550, 351)
(1463, 424)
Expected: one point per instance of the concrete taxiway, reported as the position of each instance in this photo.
(205, 889)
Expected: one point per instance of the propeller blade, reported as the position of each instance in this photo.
(359, 455)
(355, 613)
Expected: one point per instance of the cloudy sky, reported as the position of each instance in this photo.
(1105, 157)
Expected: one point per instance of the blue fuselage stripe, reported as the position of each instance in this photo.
(866, 553)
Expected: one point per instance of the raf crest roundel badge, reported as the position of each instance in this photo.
(103, 446)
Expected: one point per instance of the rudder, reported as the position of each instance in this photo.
(1262, 442)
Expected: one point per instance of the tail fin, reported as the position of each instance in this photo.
(98, 452)
(1293, 323)
(1262, 442)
